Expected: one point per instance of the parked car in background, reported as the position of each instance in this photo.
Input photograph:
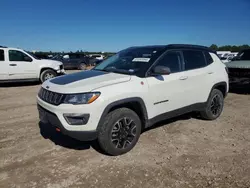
(226, 59)
(41, 56)
(75, 61)
(223, 53)
(239, 68)
(131, 91)
(97, 56)
(18, 65)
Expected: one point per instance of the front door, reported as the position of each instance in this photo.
(21, 66)
(4, 66)
(66, 61)
(167, 92)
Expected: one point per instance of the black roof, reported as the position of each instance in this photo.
(190, 46)
(179, 46)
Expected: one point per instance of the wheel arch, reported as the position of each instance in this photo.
(46, 68)
(136, 104)
(222, 86)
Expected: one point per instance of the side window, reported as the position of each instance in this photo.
(246, 55)
(71, 56)
(193, 59)
(1, 55)
(208, 57)
(74, 56)
(15, 55)
(172, 60)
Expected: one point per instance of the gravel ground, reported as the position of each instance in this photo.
(182, 152)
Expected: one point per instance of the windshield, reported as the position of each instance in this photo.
(243, 55)
(56, 57)
(129, 61)
(33, 55)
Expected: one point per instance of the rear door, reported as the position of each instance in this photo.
(21, 66)
(198, 73)
(4, 66)
(75, 60)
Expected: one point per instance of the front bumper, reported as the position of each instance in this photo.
(48, 117)
(61, 72)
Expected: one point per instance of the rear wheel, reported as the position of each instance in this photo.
(47, 74)
(120, 132)
(214, 105)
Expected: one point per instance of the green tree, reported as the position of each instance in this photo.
(214, 47)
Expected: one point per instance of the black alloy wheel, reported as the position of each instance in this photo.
(119, 132)
(216, 105)
(123, 133)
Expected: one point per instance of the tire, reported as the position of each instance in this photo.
(82, 66)
(113, 126)
(47, 74)
(211, 113)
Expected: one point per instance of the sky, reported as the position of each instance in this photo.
(112, 25)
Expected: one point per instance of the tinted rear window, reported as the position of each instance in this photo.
(245, 55)
(1, 55)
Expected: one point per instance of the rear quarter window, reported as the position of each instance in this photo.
(209, 58)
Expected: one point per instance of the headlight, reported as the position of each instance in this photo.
(57, 67)
(82, 98)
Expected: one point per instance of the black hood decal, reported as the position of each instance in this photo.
(67, 79)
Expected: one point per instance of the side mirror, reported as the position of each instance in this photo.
(26, 58)
(161, 70)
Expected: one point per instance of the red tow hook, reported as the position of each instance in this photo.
(58, 130)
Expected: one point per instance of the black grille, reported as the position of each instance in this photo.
(50, 96)
(237, 72)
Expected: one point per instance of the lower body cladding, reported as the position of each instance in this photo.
(74, 120)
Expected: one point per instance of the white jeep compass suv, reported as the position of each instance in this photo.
(19, 65)
(133, 90)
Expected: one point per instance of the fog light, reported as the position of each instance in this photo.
(76, 119)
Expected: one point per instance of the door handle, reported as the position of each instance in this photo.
(183, 77)
(210, 72)
(12, 64)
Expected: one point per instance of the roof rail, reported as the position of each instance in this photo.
(187, 45)
(191, 46)
(3, 46)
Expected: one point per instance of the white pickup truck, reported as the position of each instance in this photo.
(18, 65)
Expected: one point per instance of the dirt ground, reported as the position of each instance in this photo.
(182, 152)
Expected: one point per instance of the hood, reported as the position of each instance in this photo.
(49, 62)
(84, 81)
(238, 64)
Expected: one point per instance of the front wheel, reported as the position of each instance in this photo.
(82, 66)
(214, 106)
(120, 132)
(47, 74)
